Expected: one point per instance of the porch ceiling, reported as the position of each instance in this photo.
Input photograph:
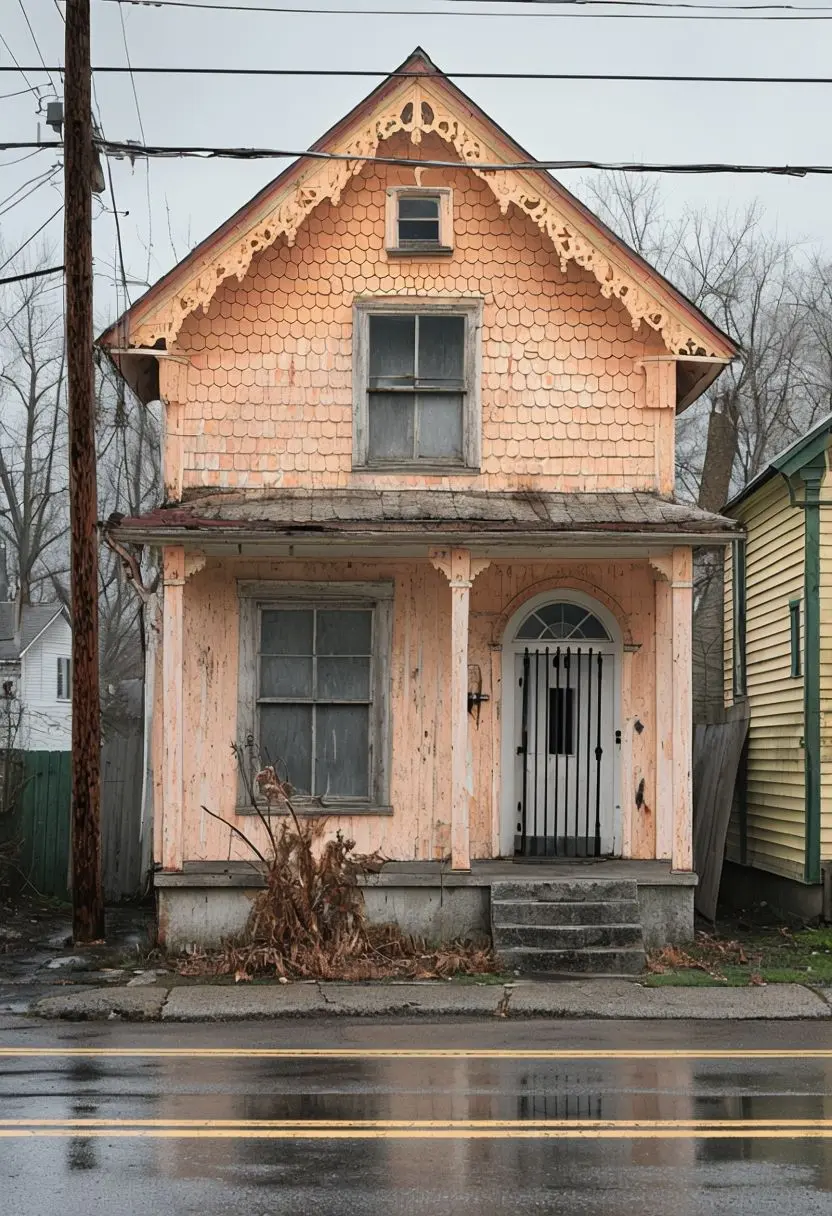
(404, 521)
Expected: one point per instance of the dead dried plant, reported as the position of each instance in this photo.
(310, 920)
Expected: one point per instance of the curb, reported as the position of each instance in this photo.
(601, 999)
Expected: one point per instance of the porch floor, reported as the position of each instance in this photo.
(439, 874)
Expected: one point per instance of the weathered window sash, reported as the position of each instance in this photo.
(471, 310)
(254, 597)
(413, 248)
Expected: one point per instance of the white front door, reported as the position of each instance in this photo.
(566, 750)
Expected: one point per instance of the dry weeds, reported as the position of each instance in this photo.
(310, 921)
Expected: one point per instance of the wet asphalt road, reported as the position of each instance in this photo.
(697, 1122)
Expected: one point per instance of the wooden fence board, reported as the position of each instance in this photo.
(717, 749)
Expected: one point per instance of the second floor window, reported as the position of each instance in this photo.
(416, 387)
(64, 685)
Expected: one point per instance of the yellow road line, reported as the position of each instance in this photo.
(393, 1053)
(83, 1124)
(447, 1132)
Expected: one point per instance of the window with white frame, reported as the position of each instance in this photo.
(417, 384)
(64, 685)
(419, 220)
(314, 665)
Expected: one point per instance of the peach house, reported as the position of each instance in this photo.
(419, 539)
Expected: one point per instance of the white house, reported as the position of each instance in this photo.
(35, 670)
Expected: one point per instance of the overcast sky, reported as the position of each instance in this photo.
(616, 121)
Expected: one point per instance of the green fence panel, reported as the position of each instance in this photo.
(44, 821)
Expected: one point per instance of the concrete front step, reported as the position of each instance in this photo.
(567, 890)
(567, 937)
(592, 960)
(530, 911)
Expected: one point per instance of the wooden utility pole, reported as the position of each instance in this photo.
(87, 894)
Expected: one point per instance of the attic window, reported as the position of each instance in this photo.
(418, 221)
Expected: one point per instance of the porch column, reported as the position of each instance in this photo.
(173, 565)
(663, 576)
(460, 569)
(682, 608)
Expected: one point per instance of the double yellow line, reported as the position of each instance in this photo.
(420, 1129)
(402, 1053)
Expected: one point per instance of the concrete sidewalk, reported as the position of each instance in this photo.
(580, 998)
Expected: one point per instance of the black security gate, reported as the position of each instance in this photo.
(564, 751)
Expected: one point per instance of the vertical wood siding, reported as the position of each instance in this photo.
(419, 828)
(774, 575)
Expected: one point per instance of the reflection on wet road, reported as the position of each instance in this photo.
(341, 1119)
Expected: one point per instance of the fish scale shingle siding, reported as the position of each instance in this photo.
(269, 386)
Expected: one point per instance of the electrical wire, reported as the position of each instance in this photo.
(31, 274)
(34, 88)
(129, 149)
(745, 13)
(144, 140)
(629, 77)
(8, 163)
(19, 93)
(35, 182)
(134, 150)
(29, 240)
(35, 41)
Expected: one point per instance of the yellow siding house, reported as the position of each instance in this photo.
(778, 614)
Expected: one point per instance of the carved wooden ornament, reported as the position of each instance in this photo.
(419, 107)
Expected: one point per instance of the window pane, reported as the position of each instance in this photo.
(344, 631)
(442, 350)
(391, 426)
(286, 631)
(392, 347)
(440, 426)
(285, 677)
(286, 742)
(418, 230)
(531, 627)
(342, 754)
(561, 728)
(344, 679)
(418, 208)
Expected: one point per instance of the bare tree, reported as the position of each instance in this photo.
(766, 293)
(128, 483)
(33, 471)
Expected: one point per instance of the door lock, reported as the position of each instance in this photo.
(618, 738)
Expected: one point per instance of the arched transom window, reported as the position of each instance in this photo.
(560, 623)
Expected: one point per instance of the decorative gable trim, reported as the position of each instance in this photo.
(418, 108)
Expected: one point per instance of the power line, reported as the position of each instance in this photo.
(18, 93)
(29, 239)
(135, 150)
(687, 4)
(8, 163)
(629, 77)
(32, 274)
(35, 41)
(35, 182)
(744, 13)
(147, 162)
(17, 66)
(129, 149)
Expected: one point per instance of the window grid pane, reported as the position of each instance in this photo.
(337, 678)
(416, 388)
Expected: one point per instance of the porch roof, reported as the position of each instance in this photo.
(438, 515)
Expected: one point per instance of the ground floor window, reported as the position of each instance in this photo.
(314, 664)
